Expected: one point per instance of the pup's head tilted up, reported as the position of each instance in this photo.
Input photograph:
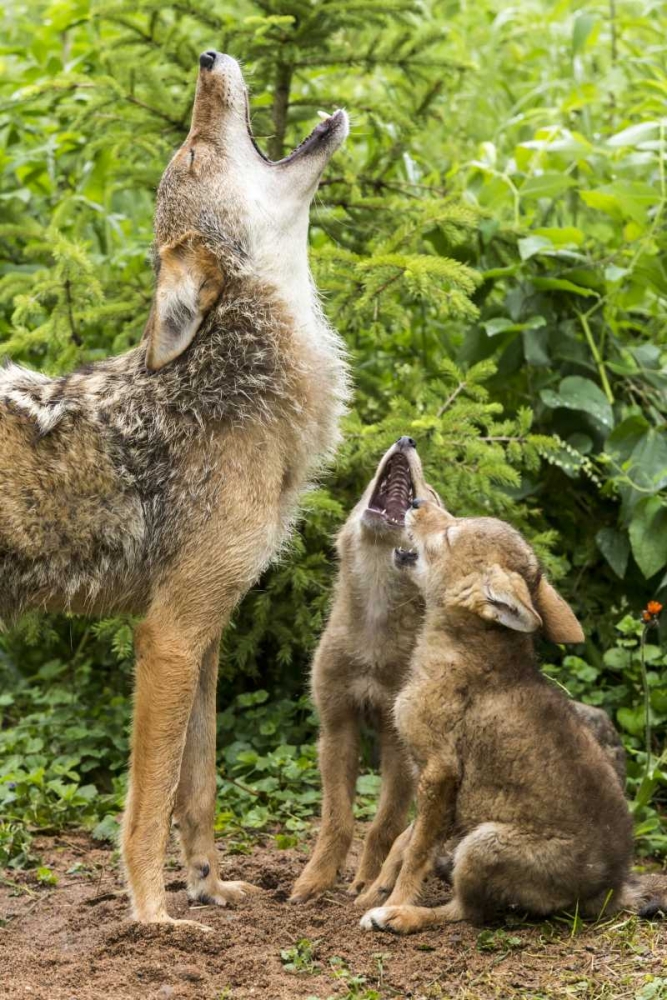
(376, 525)
(223, 208)
(399, 478)
(481, 569)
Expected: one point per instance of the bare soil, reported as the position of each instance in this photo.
(74, 941)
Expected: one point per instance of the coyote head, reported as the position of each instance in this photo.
(480, 570)
(224, 209)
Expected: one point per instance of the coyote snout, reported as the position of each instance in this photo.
(224, 210)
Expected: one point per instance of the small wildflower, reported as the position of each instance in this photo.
(651, 612)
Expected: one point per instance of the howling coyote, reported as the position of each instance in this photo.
(163, 481)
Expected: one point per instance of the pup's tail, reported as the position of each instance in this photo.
(646, 895)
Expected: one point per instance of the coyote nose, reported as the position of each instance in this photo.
(417, 503)
(406, 442)
(207, 59)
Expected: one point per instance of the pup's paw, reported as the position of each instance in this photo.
(216, 892)
(373, 896)
(192, 924)
(305, 891)
(360, 884)
(396, 919)
(164, 920)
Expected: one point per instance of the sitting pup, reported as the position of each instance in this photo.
(507, 769)
(359, 667)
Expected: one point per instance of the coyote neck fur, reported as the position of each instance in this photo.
(484, 657)
(164, 437)
(380, 606)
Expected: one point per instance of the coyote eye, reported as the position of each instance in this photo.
(193, 153)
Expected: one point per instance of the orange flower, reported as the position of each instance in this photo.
(651, 612)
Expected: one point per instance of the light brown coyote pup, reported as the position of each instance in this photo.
(359, 668)
(506, 766)
(162, 481)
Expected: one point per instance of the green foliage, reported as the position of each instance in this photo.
(615, 681)
(300, 958)
(491, 245)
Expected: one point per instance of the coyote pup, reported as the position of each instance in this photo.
(162, 481)
(359, 667)
(506, 766)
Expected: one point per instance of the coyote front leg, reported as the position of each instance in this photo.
(383, 885)
(436, 797)
(167, 673)
(194, 809)
(339, 765)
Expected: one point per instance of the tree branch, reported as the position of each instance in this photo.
(279, 109)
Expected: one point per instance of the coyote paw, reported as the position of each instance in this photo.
(373, 896)
(359, 884)
(216, 892)
(396, 919)
(164, 920)
(308, 887)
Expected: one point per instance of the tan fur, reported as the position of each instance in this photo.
(359, 667)
(163, 481)
(507, 769)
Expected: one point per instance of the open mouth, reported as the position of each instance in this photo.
(321, 135)
(393, 493)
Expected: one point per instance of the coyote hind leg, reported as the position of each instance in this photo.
(194, 809)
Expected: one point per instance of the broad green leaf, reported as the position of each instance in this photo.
(583, 26)
(535, 343)
(615, 547)
(648, 536)
(631, 719)
(648, 465)
(561, 235)
(577, 393)
(561, 285)
(634, 135)
(547, 185)
(531, 245)
(501, 324)
(626, 436)
(623, 200)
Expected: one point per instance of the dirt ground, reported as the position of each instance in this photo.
(73, 941)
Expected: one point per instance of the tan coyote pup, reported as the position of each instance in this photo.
(506, 766)
(162, 481)
(359, 667)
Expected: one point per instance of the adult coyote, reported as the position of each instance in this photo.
(162, 481)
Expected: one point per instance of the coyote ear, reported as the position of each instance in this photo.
(560, 624)
(507, 601)
(188, 283)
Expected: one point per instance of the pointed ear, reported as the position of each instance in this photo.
(189, 282)
(496, 595)
(507, 601)
(560, 624)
